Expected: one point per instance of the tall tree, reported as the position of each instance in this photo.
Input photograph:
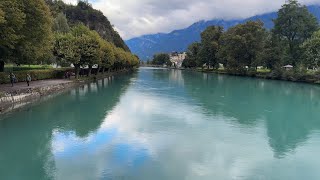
(61, 24)
(37, 41)
(242, 45)
(89, 46)
(273, 54)
(210, 44)
(294, 25)
(192, 58)
(67, 50)
(12, 20)
(312, 51)
(108, 55)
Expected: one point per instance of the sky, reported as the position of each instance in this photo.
(133, 18)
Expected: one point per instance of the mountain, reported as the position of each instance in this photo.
(148, 45)
(94, 19)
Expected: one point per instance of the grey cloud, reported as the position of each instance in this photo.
(138, 17)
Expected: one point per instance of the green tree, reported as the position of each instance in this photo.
(242, 45)
(89, 46)
(2, 14)
(12, 20)
(210, 44)
(294, 25)
(273, 54)
(89, 51)
(37, 40)
(61, 24)
(192, 59)
(120, 58)
(108, 56)
(66, 50)
(312, 51)
(161, 59)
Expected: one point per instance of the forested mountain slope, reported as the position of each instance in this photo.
(92, 18)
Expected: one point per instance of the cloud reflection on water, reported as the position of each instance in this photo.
(149, 135)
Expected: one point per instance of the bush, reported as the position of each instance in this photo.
(276, 73)
(35, 75)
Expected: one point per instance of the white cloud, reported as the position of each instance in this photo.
(138, 17)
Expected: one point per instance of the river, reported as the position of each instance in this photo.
(159, 124)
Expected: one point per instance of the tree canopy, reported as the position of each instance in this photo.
(210, 44)
(312, 51)
(294, 25)
(161, 59)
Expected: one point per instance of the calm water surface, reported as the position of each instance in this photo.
(161, 124)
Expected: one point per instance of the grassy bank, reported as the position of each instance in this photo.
(13, 67)
(293, 75)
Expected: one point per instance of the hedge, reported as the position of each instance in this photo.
(35, 75)
(26, 68)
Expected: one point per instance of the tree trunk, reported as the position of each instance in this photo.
(89, 71)
(103, 69)
(1, 66)
(77, 69)
(98, 70)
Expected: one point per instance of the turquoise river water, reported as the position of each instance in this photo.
(159, 124)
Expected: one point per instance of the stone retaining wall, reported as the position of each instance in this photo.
(17, 99)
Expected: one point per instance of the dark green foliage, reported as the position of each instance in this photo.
(161, 59)
(12, 18)
(210, 44)
(294, 25)
(36, 43)
(274, 53)
(242, 45)
(192, 59)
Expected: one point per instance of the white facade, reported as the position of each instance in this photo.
(178, 58)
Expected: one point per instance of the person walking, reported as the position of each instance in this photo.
(12, 78)
(28, 79)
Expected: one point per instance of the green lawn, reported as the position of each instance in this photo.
(264, 70)
(13, 67)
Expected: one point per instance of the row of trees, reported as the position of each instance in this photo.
(83, 47)
(294, 40)
(29, 34)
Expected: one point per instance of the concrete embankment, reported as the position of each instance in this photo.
(19, 95)
(12, 98)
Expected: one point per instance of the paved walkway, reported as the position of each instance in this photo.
(33, 84)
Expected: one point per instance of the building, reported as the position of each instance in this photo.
(177, 58)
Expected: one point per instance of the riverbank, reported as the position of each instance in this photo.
(282, 75)
(13, 98)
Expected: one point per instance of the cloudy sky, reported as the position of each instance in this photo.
(133, 18)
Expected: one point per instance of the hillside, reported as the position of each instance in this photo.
(178, 40)
(92, 18)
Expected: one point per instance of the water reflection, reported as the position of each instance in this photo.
(26, 138)
(290, 111)
(167, 124)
